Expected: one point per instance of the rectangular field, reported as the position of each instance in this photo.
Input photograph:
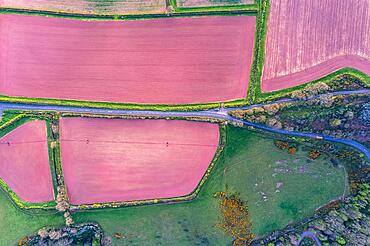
(90, 6)
(24, 162)
(307, 40)
(157, 61)
(112, 160)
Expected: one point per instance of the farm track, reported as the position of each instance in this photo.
(222, 114)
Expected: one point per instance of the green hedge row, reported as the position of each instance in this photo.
(123, 106)
(259, 50)
(52, 159)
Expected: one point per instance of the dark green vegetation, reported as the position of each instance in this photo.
(346, 223)
(303, 186)
(337, 116)
(345, 116)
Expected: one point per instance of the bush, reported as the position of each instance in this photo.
(365, 114)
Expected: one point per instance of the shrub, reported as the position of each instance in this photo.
(281, 144)
(365, 114)
(341, 240)
(292, 150)
(314, 154)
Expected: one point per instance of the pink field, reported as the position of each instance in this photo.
(309, 39)
(158, 61)
(24, 163)
(111, 160)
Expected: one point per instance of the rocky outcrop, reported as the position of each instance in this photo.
(84, 234)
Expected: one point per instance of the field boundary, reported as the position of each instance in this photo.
(259, 51)
(51, 154)
(186, 198)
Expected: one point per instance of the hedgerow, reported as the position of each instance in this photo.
(259, 49)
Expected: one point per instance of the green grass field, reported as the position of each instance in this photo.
(14, 223)
(248, 159)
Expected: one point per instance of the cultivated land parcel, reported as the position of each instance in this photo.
(157, 61)
(24, 163)
(114, 160)
(309, 39)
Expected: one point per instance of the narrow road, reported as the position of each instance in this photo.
(311, 235)
(222, 113)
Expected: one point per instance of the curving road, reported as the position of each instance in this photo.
(222, 113)
(311, 235)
